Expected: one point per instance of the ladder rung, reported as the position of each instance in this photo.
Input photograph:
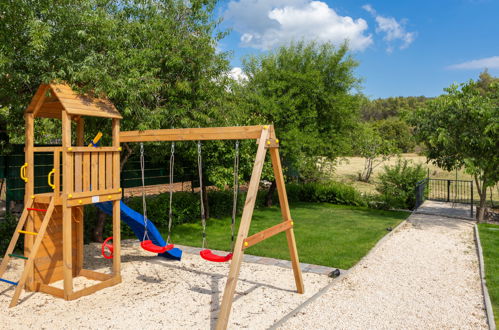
(39, 210)
(27, 232)
(7, 281)
(17, 256)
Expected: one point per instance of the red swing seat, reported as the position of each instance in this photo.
(210, 256)
(151, 247)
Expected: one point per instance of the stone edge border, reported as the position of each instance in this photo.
(486, 298)
(342, 275)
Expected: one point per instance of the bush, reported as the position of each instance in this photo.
(330, 192)
(397, 184)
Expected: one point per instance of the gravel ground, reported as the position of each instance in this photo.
(424, 276)
(157, 293)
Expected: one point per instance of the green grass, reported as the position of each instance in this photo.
(489, 237)
(329, 235)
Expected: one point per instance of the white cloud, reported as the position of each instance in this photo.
(265, 24)
(238, 74)
(393, 30)
(482, 63)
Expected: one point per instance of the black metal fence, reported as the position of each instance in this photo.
(445, 190)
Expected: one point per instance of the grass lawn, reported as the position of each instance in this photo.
(329, 235)
(489, 237)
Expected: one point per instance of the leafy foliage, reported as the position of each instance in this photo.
(305, 90)
(397, 184)
(396, 131)
(461, 129)
(380, 109)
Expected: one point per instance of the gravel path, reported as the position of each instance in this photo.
(424, 276)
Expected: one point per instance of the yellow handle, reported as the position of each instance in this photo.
(22, 173)
(51, 182)
(96, 139)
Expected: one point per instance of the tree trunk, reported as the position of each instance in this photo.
(99, 227)
(482, 192)
(368, 170)
(270, 194)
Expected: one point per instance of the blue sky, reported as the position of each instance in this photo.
(405, 48)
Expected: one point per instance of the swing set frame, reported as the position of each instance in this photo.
(267, 141)
(53, 223)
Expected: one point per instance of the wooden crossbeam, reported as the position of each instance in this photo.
(194, 134)
(269, 232)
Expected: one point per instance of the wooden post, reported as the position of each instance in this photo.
(29, 187)
(249, 205)
(286, 216)
(67, 184)
(80, 141)
(116, 204)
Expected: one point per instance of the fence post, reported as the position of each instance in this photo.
(448, 190)
(472, 200)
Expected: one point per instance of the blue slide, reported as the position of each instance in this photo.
(136, 222)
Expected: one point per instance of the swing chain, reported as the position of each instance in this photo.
(170, 211)
(200, 172)
(235, 193)
(144, 204)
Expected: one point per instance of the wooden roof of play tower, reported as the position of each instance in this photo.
(51, 99)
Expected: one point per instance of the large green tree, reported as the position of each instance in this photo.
(460, 129)
(306, 91)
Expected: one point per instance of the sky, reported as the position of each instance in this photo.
(404, 48)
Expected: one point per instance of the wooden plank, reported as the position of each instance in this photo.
(102, 193)
(40, 101)
(59, 293)
(193, 134)
(46, 149)
(249, 205)
(78, 172)
(109, 170)
(116, 203)
(94, 149)
(102, 171)
(96, 276)
(38, 98)
(28, 267)
(88, 200)
(94, 288)
(286, 216)
(94, 175)
(57, 177)
(269, 232)
(86, 171)
(30, 185)
(66, 210)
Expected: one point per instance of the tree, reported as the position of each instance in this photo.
(390, 107)
(373, 147)
(397, 131)
(305, 90)
(460, 129)
(156, 60)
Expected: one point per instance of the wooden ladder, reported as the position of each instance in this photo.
(32, 255)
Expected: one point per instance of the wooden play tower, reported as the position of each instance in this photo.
(52, 223)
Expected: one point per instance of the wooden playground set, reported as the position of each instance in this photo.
(53, 223)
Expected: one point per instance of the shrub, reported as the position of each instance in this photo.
(397, 184)
(330, 192)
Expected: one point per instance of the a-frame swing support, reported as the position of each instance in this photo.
(266, 140)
